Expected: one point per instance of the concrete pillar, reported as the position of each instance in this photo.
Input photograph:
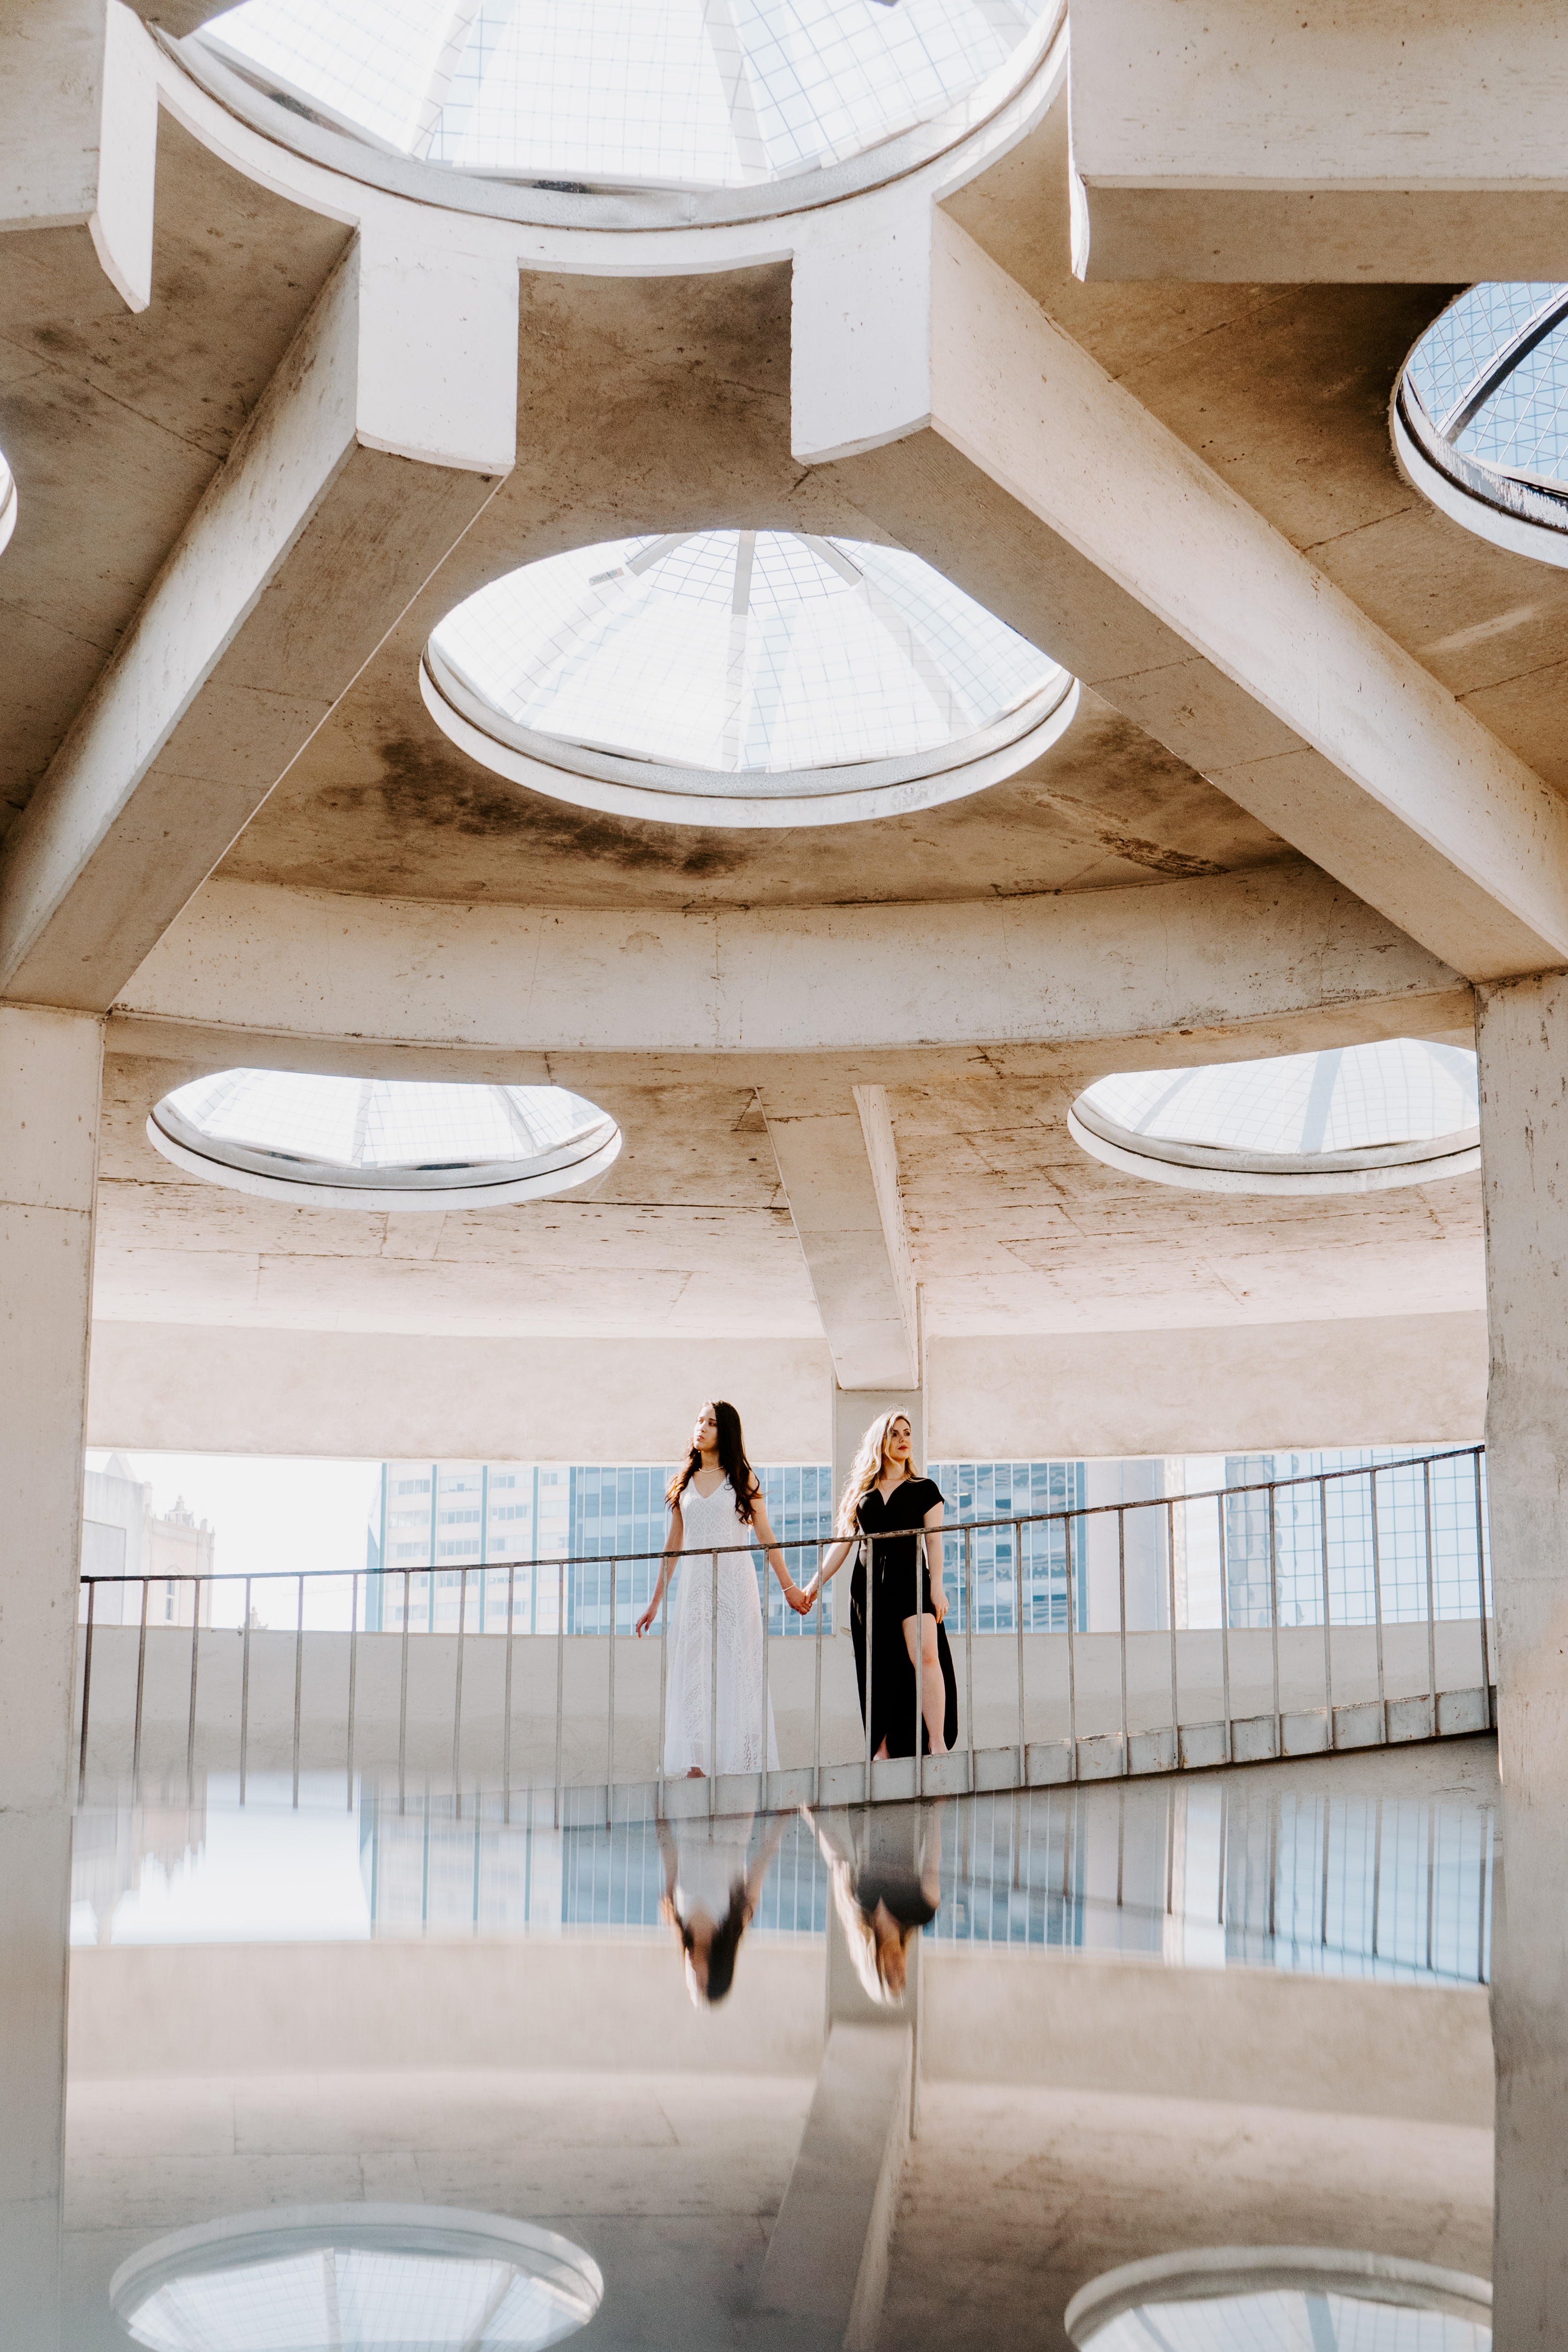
(50, 1072)
(856, 1409)
(1522, 1038)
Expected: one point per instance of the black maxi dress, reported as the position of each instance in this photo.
(898, 1554)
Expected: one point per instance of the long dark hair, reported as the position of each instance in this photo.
(726, 1943)
(731, 1459)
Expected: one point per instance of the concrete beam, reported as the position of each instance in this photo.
(1249, 141)
(838, 1162)
(299, 968)
(1017, 466)
(78, 134)
(383, 435)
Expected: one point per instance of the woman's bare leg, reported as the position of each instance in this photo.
(933, 1689)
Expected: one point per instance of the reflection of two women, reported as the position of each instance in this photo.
(889, 1510)
(884, 1866)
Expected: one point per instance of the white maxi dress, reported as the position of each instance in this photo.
(715, 1726)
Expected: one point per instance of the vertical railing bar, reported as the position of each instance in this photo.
(1017, 1527)
(1377, 1875)
(298, 1679)
(244, 1691)
(870, 1550)
(1224, 1852)
(1274, 1614)
(506, 1726)
(560, 1677)
(1329, 1740)
(664, 1692)
(918, 1751)
(141, 1688)
(713, 1690)
(1481, 1904)
(353, 1681)
(1432, 1598)
(402, 1700)
(1431, 1875)
(1170, 1579)
(458, 1698)
(969, 1645)
(86, 1691)
(1377, 1612)
(1072, 1672)
(1324, 1924)
(1225, 1631)
(610, 1753)
(1122, 1630)
(817, 1695)
(195, 1661)
(1482, 1589)
(767, 1687)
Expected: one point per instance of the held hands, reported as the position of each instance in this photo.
(801, 1599)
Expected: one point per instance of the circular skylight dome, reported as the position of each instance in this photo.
(1355, 1119)
(607, 94)
(357, 2278)
(741, 677)
(1480, 417)
(7, 500)
(1281, 2299)
(383, 1143)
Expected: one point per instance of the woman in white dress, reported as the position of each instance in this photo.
(716, 1722)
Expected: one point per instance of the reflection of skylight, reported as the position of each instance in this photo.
(741, 652)
(8, 501)
(374, 2279)
(1288, 2320)
(1352, 1117)
(1350, 1098)
(366, 1137)
(694, 93)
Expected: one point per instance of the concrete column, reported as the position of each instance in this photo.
(1523, 1037)
(49, 1071)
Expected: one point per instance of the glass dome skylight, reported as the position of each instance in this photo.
(618, 93)
(738, 677)
(1484, 398)
(1351, 1118)
(7, 500)
(383, 1143)
(357, 2278)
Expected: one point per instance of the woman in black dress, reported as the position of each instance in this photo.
(888, 1510)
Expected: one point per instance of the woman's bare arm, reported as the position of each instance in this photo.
(673, 1541)
(833, 1561)
(775, 1558)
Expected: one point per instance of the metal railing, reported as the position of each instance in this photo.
(1090, 1584)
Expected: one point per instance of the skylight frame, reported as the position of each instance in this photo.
(1215, 1168)
(927, 653)
(634, 204)
(303, 1182)
(1511, 508)
(1211, 2273)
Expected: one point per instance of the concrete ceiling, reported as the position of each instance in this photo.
(656, 398)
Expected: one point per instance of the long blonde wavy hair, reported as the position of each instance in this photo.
(866, 1469)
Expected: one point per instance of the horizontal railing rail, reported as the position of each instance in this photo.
(1071, 1575)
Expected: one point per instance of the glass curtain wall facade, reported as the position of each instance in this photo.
(1368, 1561)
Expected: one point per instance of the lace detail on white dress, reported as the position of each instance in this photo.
(727, 1717)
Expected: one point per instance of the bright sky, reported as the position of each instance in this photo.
(269, 1511)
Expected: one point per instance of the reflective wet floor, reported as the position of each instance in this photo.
(1380, 1866)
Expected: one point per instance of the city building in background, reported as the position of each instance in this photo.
(123, 1536)
(1147, 1549)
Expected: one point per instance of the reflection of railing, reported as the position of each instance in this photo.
(1144, 1622)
